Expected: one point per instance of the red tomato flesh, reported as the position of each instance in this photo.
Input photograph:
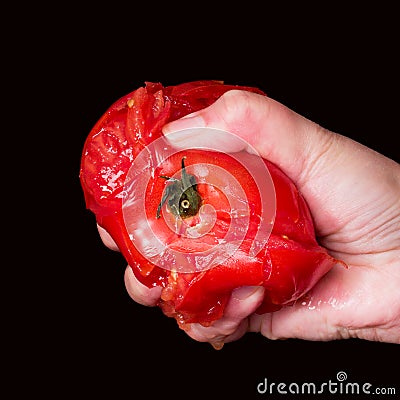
(289, 263)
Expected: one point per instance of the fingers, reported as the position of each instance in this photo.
(139, 292)
(107, 239)
(233, 325)
(136, 290)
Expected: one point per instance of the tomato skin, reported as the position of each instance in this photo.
(289, 264)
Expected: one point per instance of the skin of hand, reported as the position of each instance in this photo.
(354, 196)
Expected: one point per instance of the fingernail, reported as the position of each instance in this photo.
(245, 292)
(183, 137)
(189, 121)
(201, 138)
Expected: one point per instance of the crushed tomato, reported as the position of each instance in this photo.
(289, 263)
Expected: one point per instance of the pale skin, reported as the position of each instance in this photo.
(354, 196)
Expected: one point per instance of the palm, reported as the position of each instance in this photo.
(358, 221)
(354, 302)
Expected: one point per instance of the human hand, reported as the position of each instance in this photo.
(354, 197)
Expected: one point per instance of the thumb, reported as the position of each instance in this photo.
(241, 120)
(323, 165)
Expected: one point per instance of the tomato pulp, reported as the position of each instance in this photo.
(189, 220)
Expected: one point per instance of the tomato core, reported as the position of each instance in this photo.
(183, 198)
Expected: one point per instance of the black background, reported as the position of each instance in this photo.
(81, 335)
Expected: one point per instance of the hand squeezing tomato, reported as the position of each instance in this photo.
(196, 222)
